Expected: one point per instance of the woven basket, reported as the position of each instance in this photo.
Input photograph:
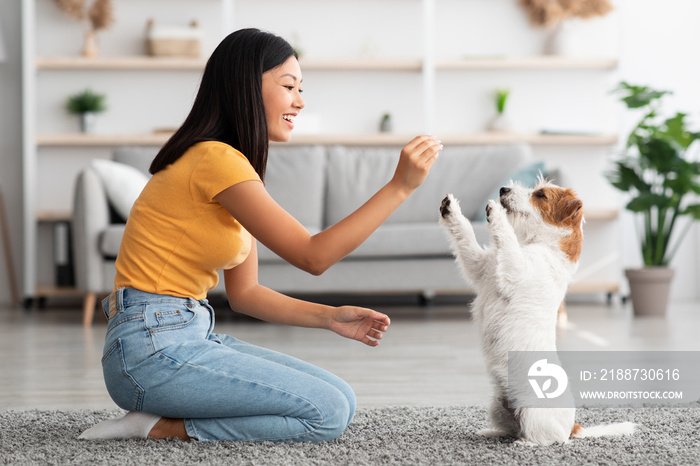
(173, 41)
(173, 47)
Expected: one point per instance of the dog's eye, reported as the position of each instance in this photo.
(541, 194)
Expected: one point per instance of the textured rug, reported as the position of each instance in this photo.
(395, 435)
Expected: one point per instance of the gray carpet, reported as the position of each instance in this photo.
(401, 436)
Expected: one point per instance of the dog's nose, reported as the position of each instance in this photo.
(504, 191)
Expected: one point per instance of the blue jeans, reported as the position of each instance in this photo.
(161, 357)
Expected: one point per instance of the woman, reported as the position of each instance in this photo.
(203, 210)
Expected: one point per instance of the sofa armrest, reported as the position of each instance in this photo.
(90, 218)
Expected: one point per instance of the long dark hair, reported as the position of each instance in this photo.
(229, 105)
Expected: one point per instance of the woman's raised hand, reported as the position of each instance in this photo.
(416, 159)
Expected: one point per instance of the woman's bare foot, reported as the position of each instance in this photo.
(169, 428)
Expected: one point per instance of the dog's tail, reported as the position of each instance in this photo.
(621, 428)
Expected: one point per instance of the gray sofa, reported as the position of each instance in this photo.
(320, 185)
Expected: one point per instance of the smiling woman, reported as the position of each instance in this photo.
(203, 210)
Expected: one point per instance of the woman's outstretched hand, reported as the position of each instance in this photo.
(359, 323)
(416, 159)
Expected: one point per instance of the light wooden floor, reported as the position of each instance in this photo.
(429, 357)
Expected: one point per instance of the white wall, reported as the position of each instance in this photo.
(654, 44)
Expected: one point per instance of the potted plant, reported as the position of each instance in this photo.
(86, 105)
(660, 181)
(500, 122)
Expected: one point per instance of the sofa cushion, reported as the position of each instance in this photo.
(110, 238)
(295, 178)
(123, 184)
(356, 173)
(411, 240)
(401, 240)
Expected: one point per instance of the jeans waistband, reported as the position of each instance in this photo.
(123, 297)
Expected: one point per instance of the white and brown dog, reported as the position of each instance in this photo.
(520, 282)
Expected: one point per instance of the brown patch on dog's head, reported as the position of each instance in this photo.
(560, 207)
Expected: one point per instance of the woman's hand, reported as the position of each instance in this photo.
(415, 161)
(359, 323)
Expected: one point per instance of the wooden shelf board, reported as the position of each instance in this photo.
(599, 213)
(57, 291)
(375, 139)
(350, 64)
(528, 63)
(530, 138)
(361, 64)
(119, 63)
(101, 140)
(52, 216)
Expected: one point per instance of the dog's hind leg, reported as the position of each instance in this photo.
(502, 420)
(463, 243)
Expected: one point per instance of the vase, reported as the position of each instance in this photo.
(561, 40)
(650, 289)
(87, 122)
(90, 49)
(500, 123)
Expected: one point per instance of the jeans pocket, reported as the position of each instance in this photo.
(122, 387)
(164, 317)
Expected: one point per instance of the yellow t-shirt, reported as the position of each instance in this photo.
(177, 236)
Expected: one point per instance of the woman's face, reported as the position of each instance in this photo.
(281, 90)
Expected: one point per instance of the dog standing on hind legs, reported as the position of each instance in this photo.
(520, 282)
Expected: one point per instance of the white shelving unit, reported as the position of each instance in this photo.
(426, 67)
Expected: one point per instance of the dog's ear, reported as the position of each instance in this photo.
(570, 209)
(576, 215)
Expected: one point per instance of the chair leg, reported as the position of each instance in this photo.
(89, 302)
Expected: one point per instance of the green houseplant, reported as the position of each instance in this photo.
(86, 104)
(500, 122)
(660, 181)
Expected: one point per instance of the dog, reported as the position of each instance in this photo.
(520, 282)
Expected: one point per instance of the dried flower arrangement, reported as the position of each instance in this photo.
(97, 16)
(546, 13)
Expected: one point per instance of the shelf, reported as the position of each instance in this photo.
(361, 65)
(376, 139)
(351, 64)
(527, 63)
(600, 214)
(57, 291)
(101, 140)
(119, 63)
(54, 216)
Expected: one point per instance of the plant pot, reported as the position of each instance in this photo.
(500, 124)
(87, 122)
(650, 289)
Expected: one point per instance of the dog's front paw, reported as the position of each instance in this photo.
(494, 211)
(449, 208)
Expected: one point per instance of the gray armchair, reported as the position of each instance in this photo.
(98, 228)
